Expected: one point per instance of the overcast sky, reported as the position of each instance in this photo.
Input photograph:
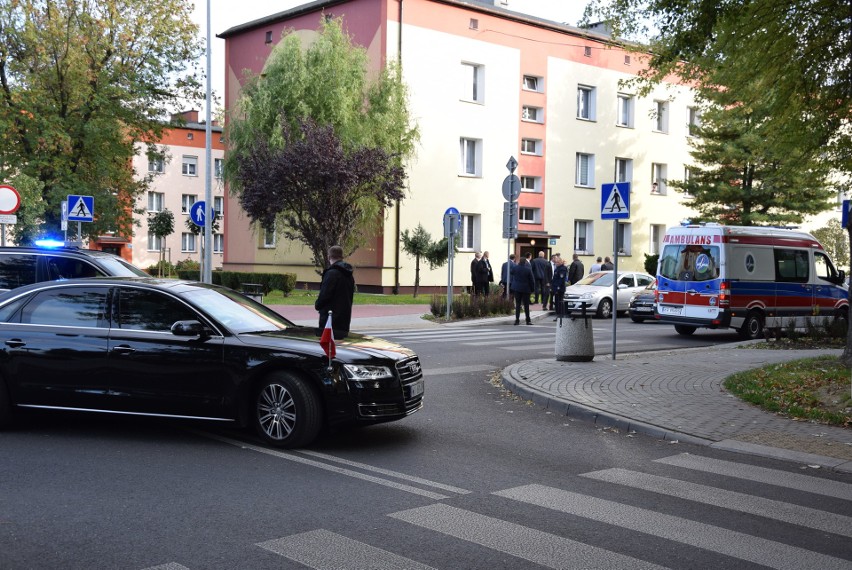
(225, 14)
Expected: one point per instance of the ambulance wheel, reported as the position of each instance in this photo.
(753, 326)
(685, 330)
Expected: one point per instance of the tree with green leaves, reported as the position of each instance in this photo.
(798, 48)
(161, 224)
(80, 81)
(835, 241)
(326, 91)
(419, 244)
(747, 172)
(31, 209)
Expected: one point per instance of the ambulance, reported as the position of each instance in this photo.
(746, 278)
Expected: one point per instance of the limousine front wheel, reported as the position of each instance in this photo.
(287, 411)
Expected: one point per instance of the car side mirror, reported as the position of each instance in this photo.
(189, 328)
(841, 278)
(622, 286)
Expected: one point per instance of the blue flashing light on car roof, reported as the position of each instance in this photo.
(49, 243)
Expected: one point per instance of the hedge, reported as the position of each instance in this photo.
(284, 282)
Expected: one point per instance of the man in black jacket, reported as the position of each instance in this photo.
(543, 273)
(576, 270)
(336, 293)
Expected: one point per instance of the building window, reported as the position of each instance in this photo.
(218, 167)
(186, 202)
(661, 116)
(626, 60)
(657, 233)
(156, 165)
(187, 242)
(473, 82)
(268, 238)
(693, 120)
(534, 114)
(470, 151)
(687, 175)
(473, 24)
(469, 232)
(218, 205)
(531, 146)
(583, 237)
(586, 102)
(658, 178)
(155, 243)
(269, 37)
(190, 166)
(531, 184)
(625, 111)
(155, 201)
(623, 238)
(218, 243)
(533, 83)
(587, 51)
(623, 170)
(529, 215)
(585, 170)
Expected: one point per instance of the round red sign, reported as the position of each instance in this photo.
(10, 200)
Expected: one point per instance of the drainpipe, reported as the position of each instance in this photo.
(398, 203)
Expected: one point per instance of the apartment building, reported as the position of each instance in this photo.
(487, 84)
(178, 181)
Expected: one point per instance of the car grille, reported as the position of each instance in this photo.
(410, 372)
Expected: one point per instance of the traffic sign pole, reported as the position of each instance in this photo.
(452, 220)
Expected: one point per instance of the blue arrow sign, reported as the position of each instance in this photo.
(81, 208)
(197, 213)
(844, 215)
(615, 201)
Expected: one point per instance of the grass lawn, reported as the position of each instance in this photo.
(302, 297)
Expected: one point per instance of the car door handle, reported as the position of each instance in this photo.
(123, 349)
(15, 343)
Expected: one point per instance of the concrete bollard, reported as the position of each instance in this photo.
(575, 340)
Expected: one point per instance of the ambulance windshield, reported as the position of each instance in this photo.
(690, 262)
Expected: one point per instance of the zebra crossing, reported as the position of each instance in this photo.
(684, 483)
(535, 339)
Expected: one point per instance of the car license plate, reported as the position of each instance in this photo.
(643, 309)
(415, 389)
(670, 310)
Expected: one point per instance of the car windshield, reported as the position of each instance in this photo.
(117, 267)
(238, 313)
(603, 279)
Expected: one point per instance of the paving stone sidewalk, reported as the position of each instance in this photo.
(678, 395)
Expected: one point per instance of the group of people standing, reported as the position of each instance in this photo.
(541, 279)
(481, 274)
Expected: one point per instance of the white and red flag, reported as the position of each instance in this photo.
(327, 339)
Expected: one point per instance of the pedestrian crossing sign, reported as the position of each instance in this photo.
(615, 201)
(81, 208)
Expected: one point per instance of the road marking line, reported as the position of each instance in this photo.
(760, 506)
(761, 475)
(529, 544)
(457, 369)
(325, 550)
(168, 566)
(685, 531)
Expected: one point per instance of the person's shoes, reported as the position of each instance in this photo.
(529, 322)
(517, 322)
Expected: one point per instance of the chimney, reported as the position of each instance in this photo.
(190, 116)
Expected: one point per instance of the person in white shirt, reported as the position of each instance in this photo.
(596, 266)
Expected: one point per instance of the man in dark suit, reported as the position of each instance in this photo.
(576, 270)
(543, 273)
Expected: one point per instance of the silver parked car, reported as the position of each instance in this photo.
(596, 291)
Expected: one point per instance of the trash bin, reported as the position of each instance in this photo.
(574, 339)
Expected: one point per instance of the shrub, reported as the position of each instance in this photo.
(470, 307)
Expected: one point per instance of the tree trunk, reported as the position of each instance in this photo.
(416, 274)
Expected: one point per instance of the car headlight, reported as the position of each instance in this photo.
(587, 295)
(365, 372)
(633, 298)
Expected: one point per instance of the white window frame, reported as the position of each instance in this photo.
(531, 184)
(155, 201)
(659, 175)
(584, 230)
(470, 150)
(588, 161)
(532, 114)
(693, 119)
(533, 83)
(269, 239)
(661, 116)
(219, 206)
(155, 243)
(156, 166)
(189, 165)
(624, 170)
(531, 146)
(626, 105)
(469, 232)
(687, 174)
(472, 82)
(658, 231)
(186, 202)
(623, 236)
(187, 242)
(586, 106)
(218, 167)
(529, 215)
(218, 243)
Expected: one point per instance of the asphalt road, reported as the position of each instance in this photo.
(476, 479)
